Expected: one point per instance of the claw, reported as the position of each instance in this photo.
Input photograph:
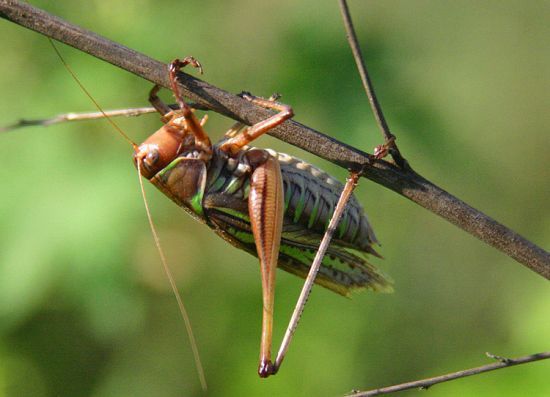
(250, 97)
(189, 60)
(382, 151)
(266, 368)
(246, 95)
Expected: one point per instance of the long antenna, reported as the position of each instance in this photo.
(165, 266)
(168, 272)
(115, 126)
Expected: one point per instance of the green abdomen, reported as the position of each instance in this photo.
(310, 198)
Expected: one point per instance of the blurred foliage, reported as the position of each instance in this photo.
(85, 309)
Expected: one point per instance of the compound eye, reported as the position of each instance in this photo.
(151, 159)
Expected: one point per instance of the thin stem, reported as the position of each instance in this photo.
(83, 116)
(403, 181)
(426, 383)
(368, 86)
(61, 118)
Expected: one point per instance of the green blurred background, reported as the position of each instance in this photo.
(85, 309)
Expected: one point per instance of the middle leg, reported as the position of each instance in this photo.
(234, 144)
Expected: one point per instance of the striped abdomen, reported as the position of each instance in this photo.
(310, 198)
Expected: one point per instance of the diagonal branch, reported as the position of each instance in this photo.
(406, 182)
(426, 383)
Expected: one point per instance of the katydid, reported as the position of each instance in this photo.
(269, 204)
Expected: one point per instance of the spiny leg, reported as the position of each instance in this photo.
(181, 130)
(157, 103)
(308, 284)
(266, 212)
(382, 151)
(167, 110)
(233, 145)
(238, 126)
(234, 130)
(202, 141)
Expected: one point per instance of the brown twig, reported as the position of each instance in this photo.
(65, 117)
(406, 182)
(426, 383)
